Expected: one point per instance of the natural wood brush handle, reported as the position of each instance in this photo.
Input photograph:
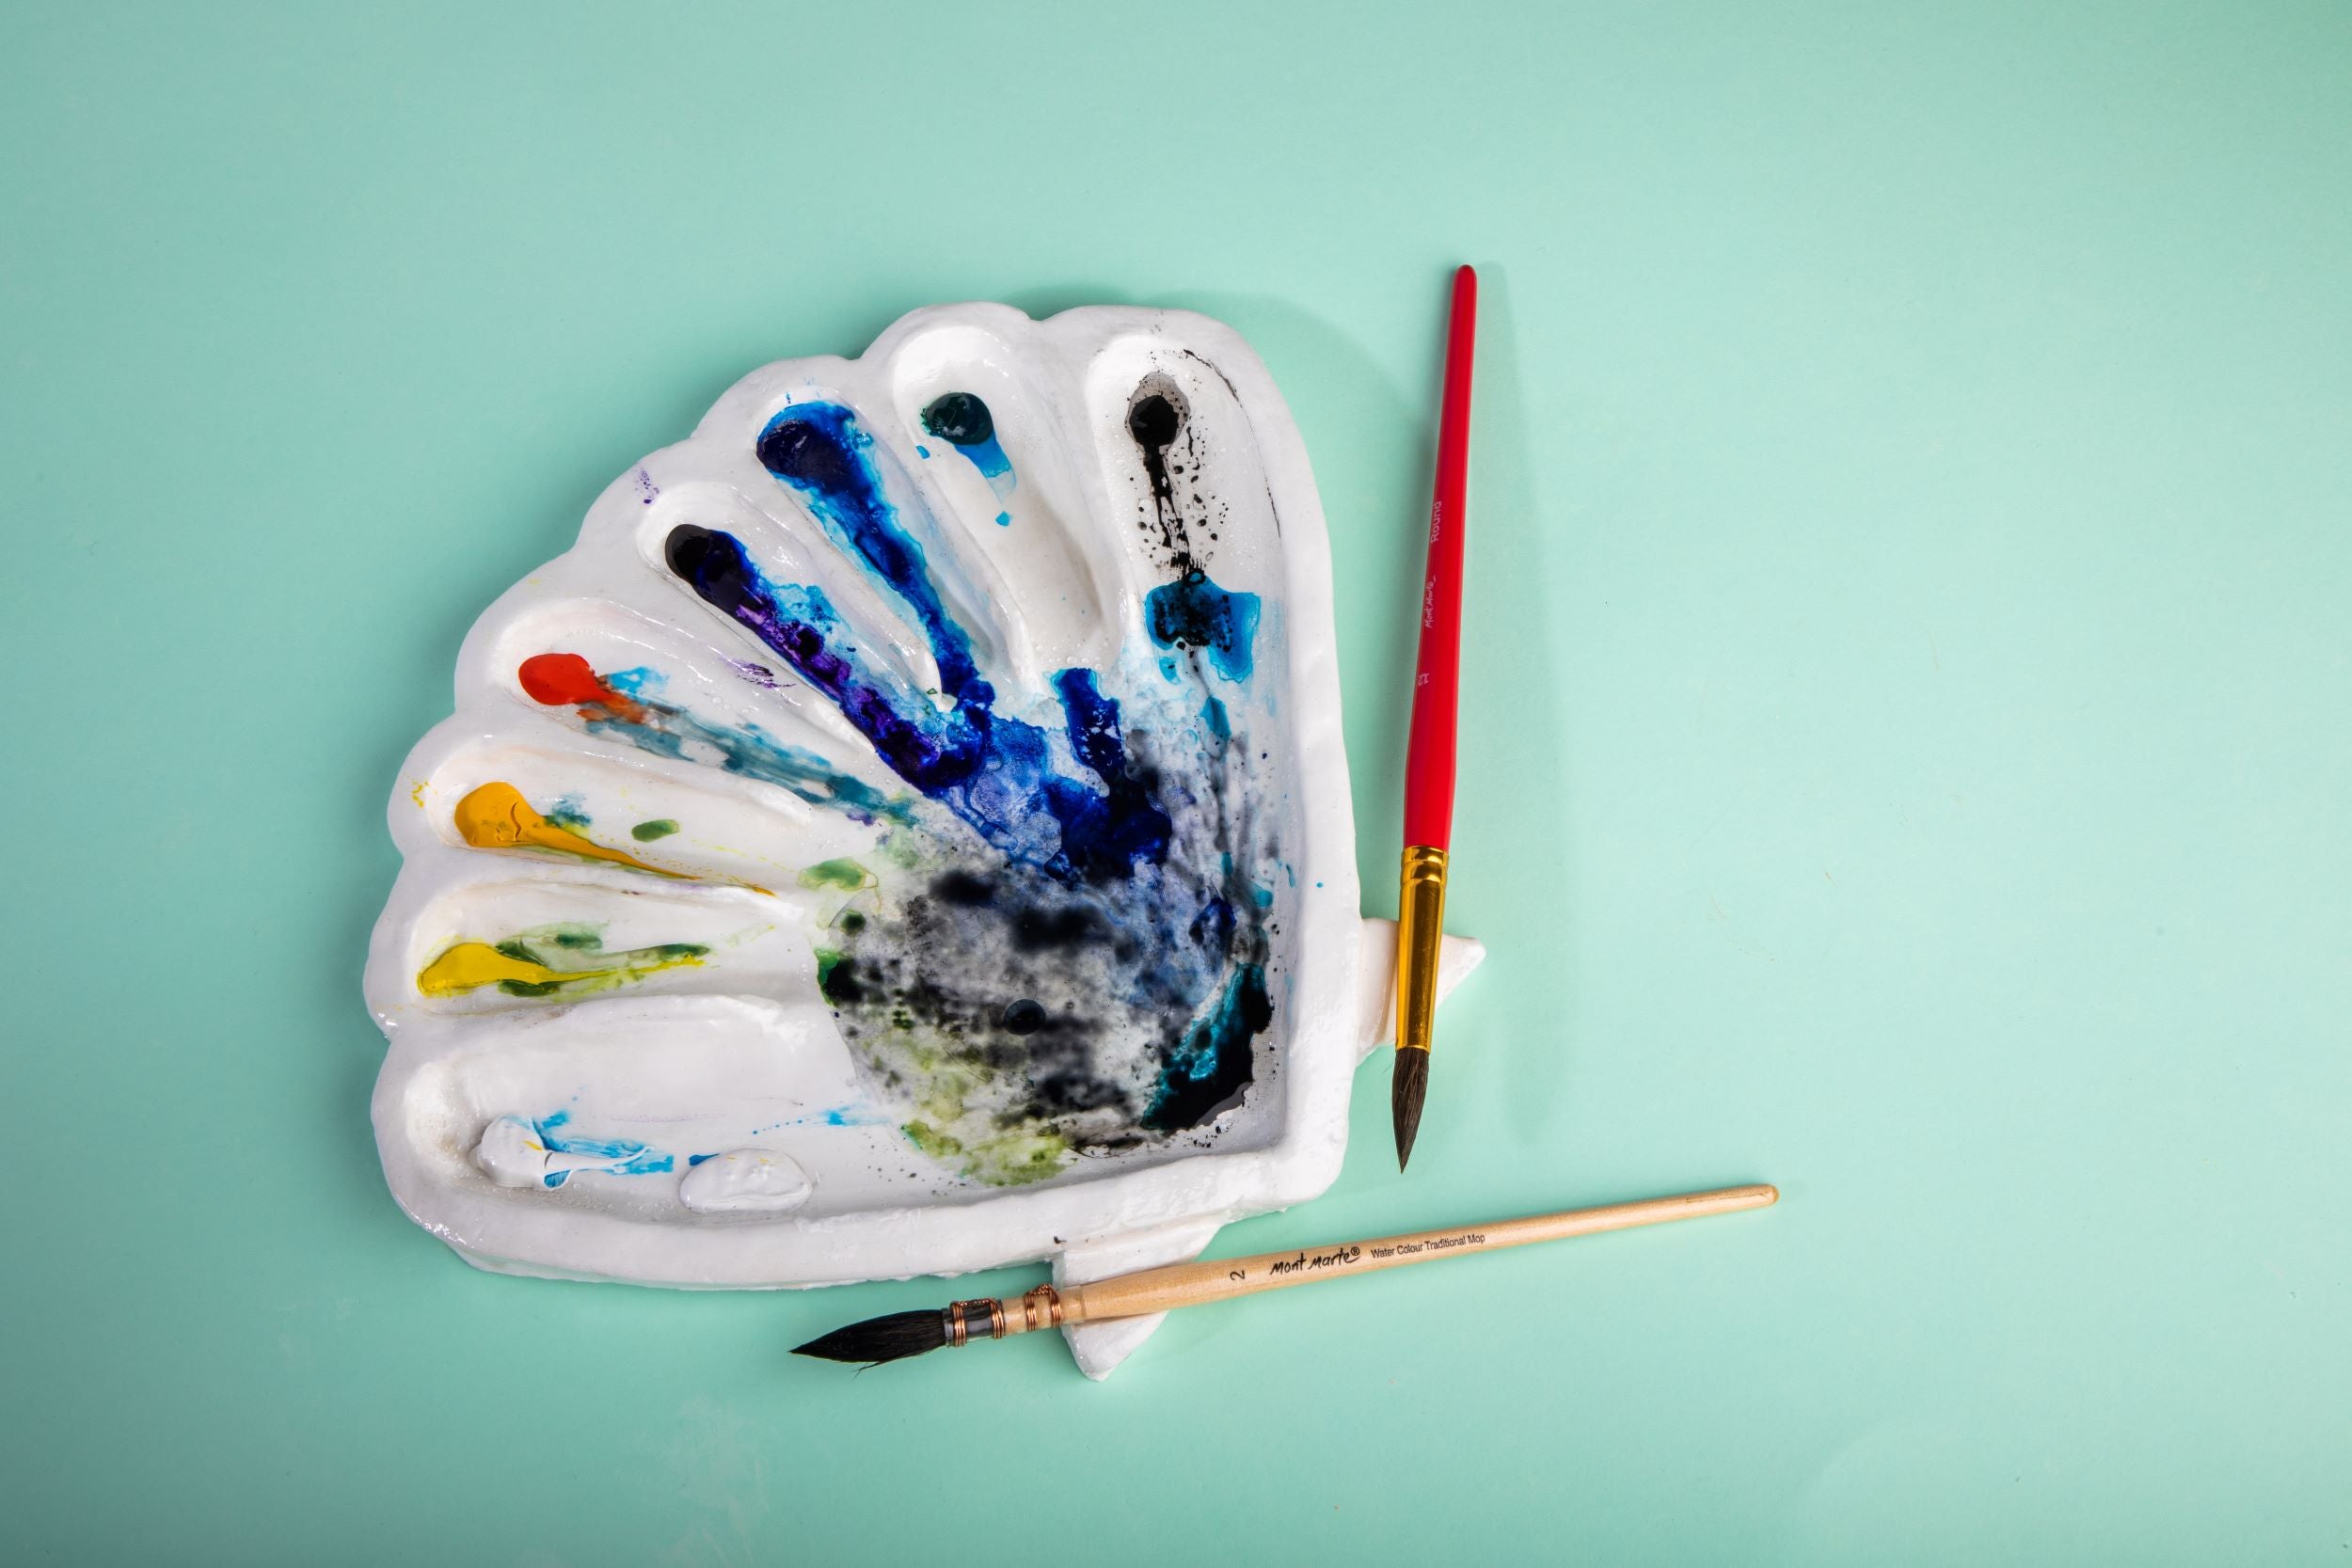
(1150, 1290)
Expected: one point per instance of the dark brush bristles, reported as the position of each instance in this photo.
(893, 1337)
(1407, 1087)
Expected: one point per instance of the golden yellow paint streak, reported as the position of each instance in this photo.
(471, 965)
(496, 816)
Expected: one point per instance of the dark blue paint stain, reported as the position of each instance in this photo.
(1007, 779)
(1194, 612)
(821, 452)
(1211, 1064)
(1122, 825)
(995, 772)
(1213, 927)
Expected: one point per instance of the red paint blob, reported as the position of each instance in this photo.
(562, 680)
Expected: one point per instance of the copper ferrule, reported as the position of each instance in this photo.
(965, 1317)
(1039, 1308)
(1420, 928)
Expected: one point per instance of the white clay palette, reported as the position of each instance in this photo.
(907, 832)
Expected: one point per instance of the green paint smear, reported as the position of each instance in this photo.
(646, 832)
(847, 874)
(1000, 1151)
(1018, 1159)
(932, 1141)
(581, 941)
(1012, 1160)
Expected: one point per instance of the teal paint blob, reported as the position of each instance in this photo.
(1212, 714)
(964, 420)
(1194, 612)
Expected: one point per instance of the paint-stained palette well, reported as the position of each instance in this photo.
(907, 832)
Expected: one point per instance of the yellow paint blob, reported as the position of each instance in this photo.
(496, 816)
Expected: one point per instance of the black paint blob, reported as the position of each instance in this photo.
(1154, 420)
(840, 983)
(802, 452)
(960, 419)
(717, 572)
(963, 889)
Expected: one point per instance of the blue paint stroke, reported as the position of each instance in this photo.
(621, 1156)
(1074, 806)
(995, 772)
(834, 1115)
(652, 725)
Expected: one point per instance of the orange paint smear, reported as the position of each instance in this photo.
(496, 816)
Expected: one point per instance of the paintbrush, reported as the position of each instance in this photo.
(900, 1335)
(1429, 753)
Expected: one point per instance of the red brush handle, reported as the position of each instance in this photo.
(1429, 755)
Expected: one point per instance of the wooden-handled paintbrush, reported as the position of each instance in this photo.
(1429, 751)
(900, 1335)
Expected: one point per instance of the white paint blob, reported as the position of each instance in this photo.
(745, 1182)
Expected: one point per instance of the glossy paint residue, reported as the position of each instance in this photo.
(622, 705)
(525, 1152)
(550, 960)
(963, 421)
(496, 816)
(1078, 957)
(1194, 612)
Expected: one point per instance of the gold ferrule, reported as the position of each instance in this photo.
(1420, 926)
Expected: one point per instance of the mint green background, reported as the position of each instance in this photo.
(1905, 759)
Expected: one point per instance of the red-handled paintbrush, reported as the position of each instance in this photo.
(1429, 755)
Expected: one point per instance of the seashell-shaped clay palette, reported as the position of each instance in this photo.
(908, 832)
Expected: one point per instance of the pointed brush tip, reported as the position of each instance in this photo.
(1407, 1088)
(893, 1337)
